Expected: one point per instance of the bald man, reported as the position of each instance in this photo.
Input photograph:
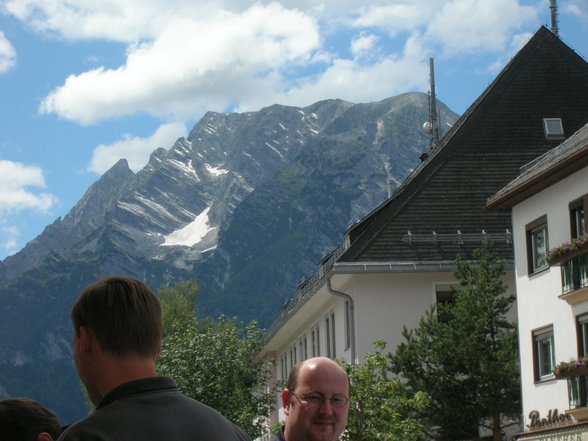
(316, 402)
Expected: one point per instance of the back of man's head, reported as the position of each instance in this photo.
(123, 314)
(23, 419)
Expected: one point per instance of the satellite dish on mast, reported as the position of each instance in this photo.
(428, 127)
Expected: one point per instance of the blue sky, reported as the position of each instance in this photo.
(84, 83)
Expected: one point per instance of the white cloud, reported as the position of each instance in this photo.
(577, 8)
(7, 54)
(134, 149)
(15, 178)
(213, 55)
(209, 61)
(363, 45)
(117, 20)
(9, 239)
(472, 26)
(359, 80)
(397, 17)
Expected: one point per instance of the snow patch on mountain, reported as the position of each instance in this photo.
(192, 233)
(215, 171)
(187, 169)
(274, 149)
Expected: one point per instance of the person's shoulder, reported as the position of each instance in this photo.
(73, 432)
(92, 427)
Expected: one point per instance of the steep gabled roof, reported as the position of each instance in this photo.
(499, 133)
(541, 173)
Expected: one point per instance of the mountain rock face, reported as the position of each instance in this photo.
(248, 204)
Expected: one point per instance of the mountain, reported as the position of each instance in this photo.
(248, 203)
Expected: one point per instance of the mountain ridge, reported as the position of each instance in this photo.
(267, 193)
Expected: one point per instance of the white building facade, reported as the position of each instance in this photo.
(346, 312)
(548, 204)
(398, 261)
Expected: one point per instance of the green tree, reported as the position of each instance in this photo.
(465, 355)
(214, 361)
(379, 409)
(178, 304)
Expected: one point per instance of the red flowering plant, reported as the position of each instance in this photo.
(567, 247)
(568, 368)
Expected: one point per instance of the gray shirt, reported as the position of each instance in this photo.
(152, 409)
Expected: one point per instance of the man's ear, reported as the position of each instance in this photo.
(286, 401)
(86, 339)
(44, 436)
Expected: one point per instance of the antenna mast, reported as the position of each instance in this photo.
(431, 127)
(554, 26)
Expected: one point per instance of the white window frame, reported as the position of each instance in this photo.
(543, 338)
(537, 251)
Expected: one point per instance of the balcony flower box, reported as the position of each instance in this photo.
(568, 250)
(572, 368)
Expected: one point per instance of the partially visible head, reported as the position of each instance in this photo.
(123, 314)
(23, 419)
(306, 421)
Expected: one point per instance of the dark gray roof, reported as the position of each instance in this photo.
(499, 133)
(562, 161)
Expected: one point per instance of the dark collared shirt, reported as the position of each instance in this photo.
(152, 409)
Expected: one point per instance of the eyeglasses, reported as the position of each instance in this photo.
(316, 399)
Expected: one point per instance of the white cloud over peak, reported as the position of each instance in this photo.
(220, 54)
(134, 149)
(363, 79)
(192, 65)
(7, 54)
(15, 178)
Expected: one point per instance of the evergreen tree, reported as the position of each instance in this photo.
(379, 409)
(464, 355)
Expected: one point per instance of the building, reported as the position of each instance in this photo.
(398, 261)
(548, 202)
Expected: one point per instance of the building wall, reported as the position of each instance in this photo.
(537, 294)
(384, 304)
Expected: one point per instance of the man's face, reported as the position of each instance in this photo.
(316, 422)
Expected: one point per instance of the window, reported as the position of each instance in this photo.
(303, 348)
(582, 328)
(330, 335)
(578, 217)
(553, 128)
(444, 295)
(578, 386)
(284, 366)
(315, 341)
(537, 244)
(543, 353)
(574, 274)
(347, 325)
(293, 358)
